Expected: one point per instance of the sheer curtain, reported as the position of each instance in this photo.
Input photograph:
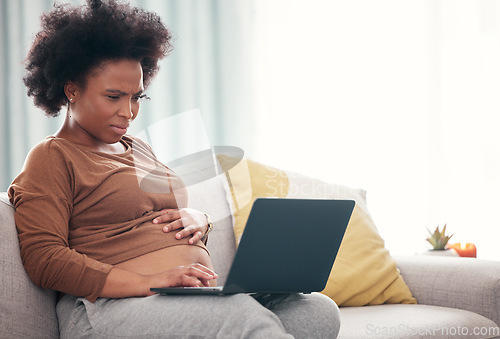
(397, 97)
(207, 70)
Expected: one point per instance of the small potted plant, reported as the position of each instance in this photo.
(438, 239)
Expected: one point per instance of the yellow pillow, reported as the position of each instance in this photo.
(364, 272)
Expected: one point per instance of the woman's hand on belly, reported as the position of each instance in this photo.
(189, 221)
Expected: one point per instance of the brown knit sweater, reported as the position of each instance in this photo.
(79, 211)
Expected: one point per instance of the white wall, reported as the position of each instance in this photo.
(397, 97)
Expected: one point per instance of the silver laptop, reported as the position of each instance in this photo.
(288, 246)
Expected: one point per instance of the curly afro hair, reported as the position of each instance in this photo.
(75, 40)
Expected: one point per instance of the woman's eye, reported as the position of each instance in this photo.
(141, 97)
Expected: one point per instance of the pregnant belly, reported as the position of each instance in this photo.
(165, 258)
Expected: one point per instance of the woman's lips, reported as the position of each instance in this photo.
(119, 129)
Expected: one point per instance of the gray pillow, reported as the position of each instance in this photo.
(27, 310)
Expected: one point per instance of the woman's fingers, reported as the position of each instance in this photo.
(190, 230)
(172, 217)
(168, 215)
(193, 275)
(201, 275)
(174, 225)
(185, 230)
(189, 221)
(196, 237)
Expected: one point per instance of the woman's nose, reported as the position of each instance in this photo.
(126, 110)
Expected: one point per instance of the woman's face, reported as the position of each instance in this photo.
(101, 112)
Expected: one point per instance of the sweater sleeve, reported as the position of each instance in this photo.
(43, 198)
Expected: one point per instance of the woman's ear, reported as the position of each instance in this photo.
(70, 89)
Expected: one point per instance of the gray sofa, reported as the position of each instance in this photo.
(458, 297)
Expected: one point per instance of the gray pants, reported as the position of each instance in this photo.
(235, 316)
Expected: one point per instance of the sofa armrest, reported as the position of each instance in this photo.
(465, 283)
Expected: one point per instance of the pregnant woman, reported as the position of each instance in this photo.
(100, 219)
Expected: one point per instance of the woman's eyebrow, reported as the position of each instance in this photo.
(121, 92)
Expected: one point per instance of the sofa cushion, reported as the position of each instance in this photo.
(414, 321)
(467, 283)
(27, 310)
(364, 273)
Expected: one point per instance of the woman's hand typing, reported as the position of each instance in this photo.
(194, 275)
(122, 283)
(189, 221)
